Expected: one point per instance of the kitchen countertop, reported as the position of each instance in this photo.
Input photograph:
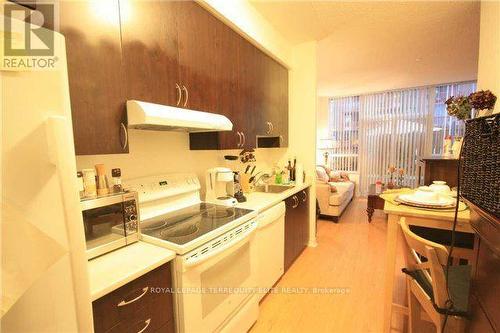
(261, 201)
(115, 269)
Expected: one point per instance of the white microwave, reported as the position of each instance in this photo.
(110, 222)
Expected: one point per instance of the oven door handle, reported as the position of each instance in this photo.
(232, 245)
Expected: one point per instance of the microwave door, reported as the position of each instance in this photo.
(104, 229)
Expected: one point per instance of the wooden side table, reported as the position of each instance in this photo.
(374, 201)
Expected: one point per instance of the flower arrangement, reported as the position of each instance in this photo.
(401, 173)
(391, 170)
(461, 106)
(482, 100)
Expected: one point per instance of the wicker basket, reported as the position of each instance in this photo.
(480, 167)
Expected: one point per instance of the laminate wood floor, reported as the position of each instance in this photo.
(350, 256)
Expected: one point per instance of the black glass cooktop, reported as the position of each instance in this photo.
(184, 225)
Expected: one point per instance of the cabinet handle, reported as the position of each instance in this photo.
(296, 201)
(305, 196)
(147, 322)
(244, 139)
(144, 291)
(179, 93)
(269, 127)
(187, 95)
(281, 140)
(239, 139)
(125, 133)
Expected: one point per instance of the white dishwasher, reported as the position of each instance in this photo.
(270, 243)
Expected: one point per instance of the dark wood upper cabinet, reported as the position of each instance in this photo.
(150, 51)
(197, 35)
(166, 52)
(95, 72)
(227, 66)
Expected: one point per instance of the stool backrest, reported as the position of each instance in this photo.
(437, 256)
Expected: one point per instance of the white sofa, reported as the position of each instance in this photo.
(332, 204)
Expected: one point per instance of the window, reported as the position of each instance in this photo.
(369, 133)
(342, 144)
(445, 125)
(393, 126)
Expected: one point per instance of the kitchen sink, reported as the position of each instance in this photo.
(273, 188)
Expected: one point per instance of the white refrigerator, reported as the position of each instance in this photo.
(44, 281)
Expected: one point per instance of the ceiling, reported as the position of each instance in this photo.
(367, 46)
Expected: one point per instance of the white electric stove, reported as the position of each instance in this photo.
(216, 259)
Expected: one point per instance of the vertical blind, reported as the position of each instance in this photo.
(369, 133)
(445, 125)
(342, 145)
(393, 126)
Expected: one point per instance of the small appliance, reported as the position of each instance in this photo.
(220, 186)
(110, 222)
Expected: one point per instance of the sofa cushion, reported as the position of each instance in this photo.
(336, 199)
(343, 186)
(344, 193)
(321, 174)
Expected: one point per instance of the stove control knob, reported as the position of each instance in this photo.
(132, 217)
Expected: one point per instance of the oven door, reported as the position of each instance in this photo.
(206, 297)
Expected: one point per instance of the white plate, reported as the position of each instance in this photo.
(442, 200)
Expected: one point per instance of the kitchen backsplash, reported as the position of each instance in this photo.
(155, 152)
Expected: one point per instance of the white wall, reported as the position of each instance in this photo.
(302, 117)
(159, 152)
(488, 76)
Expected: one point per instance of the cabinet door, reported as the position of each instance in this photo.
(273, 116)
(96, 77)
(150, 56)
(196, 35)
(304, 219)
(278, 109)
(251, 90)
(291, 232)
(227, 70)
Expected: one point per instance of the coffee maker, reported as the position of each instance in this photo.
(220, 186)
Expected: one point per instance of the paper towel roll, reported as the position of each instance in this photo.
(299, 174)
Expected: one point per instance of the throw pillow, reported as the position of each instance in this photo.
(321, 174)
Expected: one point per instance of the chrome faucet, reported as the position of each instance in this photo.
(263, 175)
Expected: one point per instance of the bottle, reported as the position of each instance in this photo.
(116, 174)
(81, 188)
(89, 182)
(299, 174)
(292, 173)
(102, 180)
(378, 187)
(289, 169)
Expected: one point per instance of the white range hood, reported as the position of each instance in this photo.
(150, 116)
